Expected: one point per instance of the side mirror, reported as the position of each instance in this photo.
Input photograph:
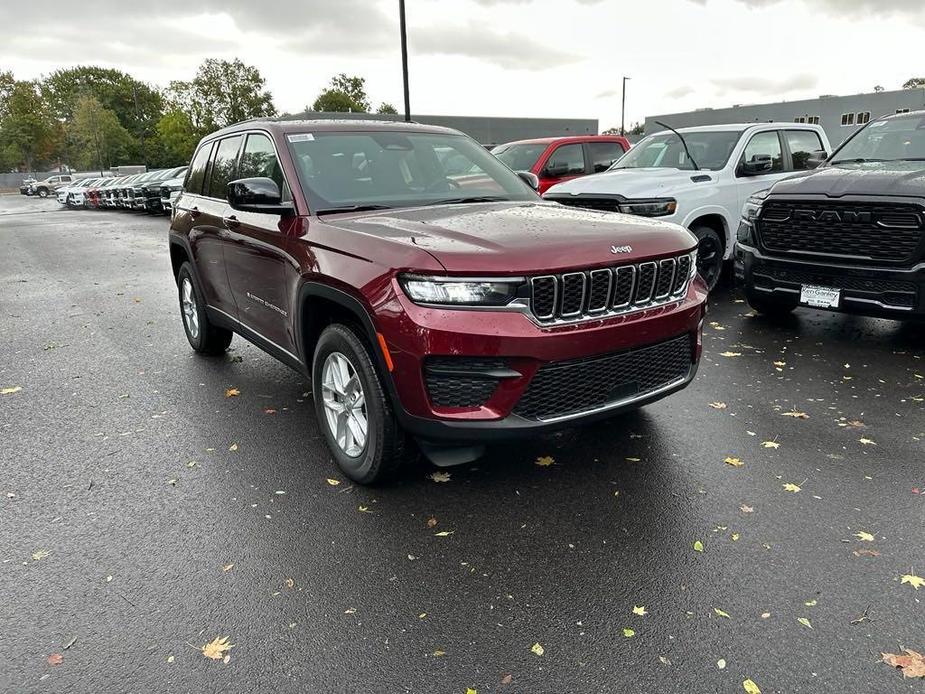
(816, 159)
(759, 164)
(257, 195)
(530, 179)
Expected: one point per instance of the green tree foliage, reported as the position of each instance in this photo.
(385, 107)
(220, 94)
(914, 83)
(344, 94)
(177, 138)
(29, 134)
(98, 140)
(7, 82)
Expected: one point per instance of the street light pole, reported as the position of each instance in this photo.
(623, 108)
(404, 57)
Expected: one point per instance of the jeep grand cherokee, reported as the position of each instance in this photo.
(456, 308)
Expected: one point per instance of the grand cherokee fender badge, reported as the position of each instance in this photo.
(617, 250)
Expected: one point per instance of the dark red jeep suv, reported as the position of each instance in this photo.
(424, 299)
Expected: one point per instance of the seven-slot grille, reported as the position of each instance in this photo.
(576, 295)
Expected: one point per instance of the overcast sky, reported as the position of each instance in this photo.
(552, 58)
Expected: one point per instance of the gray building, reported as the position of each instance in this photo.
(488, 130)
(840, 116)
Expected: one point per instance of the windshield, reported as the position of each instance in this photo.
(710, 149)
(520, 157)
(893, 139)
(398, 169)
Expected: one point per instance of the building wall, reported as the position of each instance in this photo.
(488, 130)
(829, 109)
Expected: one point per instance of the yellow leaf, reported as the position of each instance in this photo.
(790, 487)
(545, 461)
(641, 611)
(233, 447)
(744, 508)
(805, 622)
(770, 444)
(730, 354)
(722, 614)
(735, 462)
(439, 653)
(217, 648)
(444, 533)
(333, 483)
(718, 405)
(780, 364)
(913, 580)
(811, 603)
(439, 476)
(41, 554)
(10, 390)
(735, 537)
(864, 537)
(232, 392)
(629, 633)
(227, 567)
(750, 687)
(363, 509)
(537, 649)
(470, 690)
(867, 442)
(721, 664)
(795, 414)
(698, 546)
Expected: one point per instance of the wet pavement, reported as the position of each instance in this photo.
(144, 514)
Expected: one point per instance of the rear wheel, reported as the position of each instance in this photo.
(353, 410)
(203, 336)
(709, 255)
(42, 192)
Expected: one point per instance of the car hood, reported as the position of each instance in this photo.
(873, 178)
(172, 182)
(630, 183)
(521, 237)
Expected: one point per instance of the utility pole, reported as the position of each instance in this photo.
(623, 108)
(404, 57)
(144, 156)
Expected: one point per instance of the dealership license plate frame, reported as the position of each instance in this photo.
(820, 297)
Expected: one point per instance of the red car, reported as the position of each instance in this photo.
(557, 159)
(425, 305)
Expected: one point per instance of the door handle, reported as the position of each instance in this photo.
(194, 212)
(231, 222)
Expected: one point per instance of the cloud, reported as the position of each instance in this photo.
(764, 86)
(877, 8)
(608, 94)
(679, 92)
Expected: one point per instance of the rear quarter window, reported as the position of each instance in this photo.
(197, 170)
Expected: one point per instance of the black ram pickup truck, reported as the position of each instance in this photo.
(846, 236)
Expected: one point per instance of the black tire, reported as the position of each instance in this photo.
(385, 446)
(203, 336)
(710, 250)
(42, 192)
(770, 306)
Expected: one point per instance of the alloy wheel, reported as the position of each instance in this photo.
(344, 404)
(188, 306)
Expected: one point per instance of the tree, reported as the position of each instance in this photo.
(220, 94)
(878, 88)
(344, 94)
(98, 139)
(7, 82)
(914, 83)
(385, 107)
(29, 134)
(177, 137)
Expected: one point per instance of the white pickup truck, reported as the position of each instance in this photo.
(700, 178)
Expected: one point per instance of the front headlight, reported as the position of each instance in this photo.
(752, 207)
(459, 291)
(661, 207)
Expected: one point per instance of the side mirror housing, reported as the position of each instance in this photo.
(530, 179)
(759, 164)
(816, 159)
(257, 195)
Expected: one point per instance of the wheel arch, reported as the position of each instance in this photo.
(716, 219)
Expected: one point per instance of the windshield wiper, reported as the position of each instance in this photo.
(474, 198)
(683, 142)
(858, 160)
(353, 208)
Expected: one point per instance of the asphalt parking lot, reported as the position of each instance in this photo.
(143, 513)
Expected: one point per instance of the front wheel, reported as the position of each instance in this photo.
(353, 410)
(709, 255)
(42, 192)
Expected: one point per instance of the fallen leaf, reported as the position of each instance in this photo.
(805, 622)
(40, 554)
(913, 580)
(470, 690)
(790, 487)
(746, 509)
(811, 603)
(545, 461)
(718, 611)
(698, 546)
(735, 537)
(170, 658)
(795, 414)
(735, 462)
(730, 354)
(770, 444)
(431, 522)
(439, 476)
(217, 648)
(444, 533)
(780, 364)
(765, 615)
(269, 410)
(750, 687)
(721, 664)
(866, 553)
(537, 649)
(227, 567)
(438, 654)
(718, 405)
(233, 447)
(867, 442)
(507, 679)
(10, 390)
(173, 482)
(333, 483)
(628, 633)
(912, 664)
(290, 583)
(55, 659)
(231, 393)
(363, 509)
(864, 537)
(641, 611)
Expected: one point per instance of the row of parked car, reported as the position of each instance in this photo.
(151, 191)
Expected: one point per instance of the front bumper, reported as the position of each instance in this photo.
(516, 349)
(897, 293)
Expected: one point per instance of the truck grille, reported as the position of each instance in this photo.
(606, 291)
(565, 388)
(601, 203)
(886, 232)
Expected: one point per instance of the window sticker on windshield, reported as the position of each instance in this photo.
(300, 137)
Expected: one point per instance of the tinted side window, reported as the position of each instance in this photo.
(223, 163)
(259, 160)
(603, 154)
(802, 143)
(567, 160)
(197, 170)
(765, 144)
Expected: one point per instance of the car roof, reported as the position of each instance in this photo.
(566, 138)
(740, 127)
(896, 116)
(284, 127)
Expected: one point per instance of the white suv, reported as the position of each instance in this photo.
(699, 178)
